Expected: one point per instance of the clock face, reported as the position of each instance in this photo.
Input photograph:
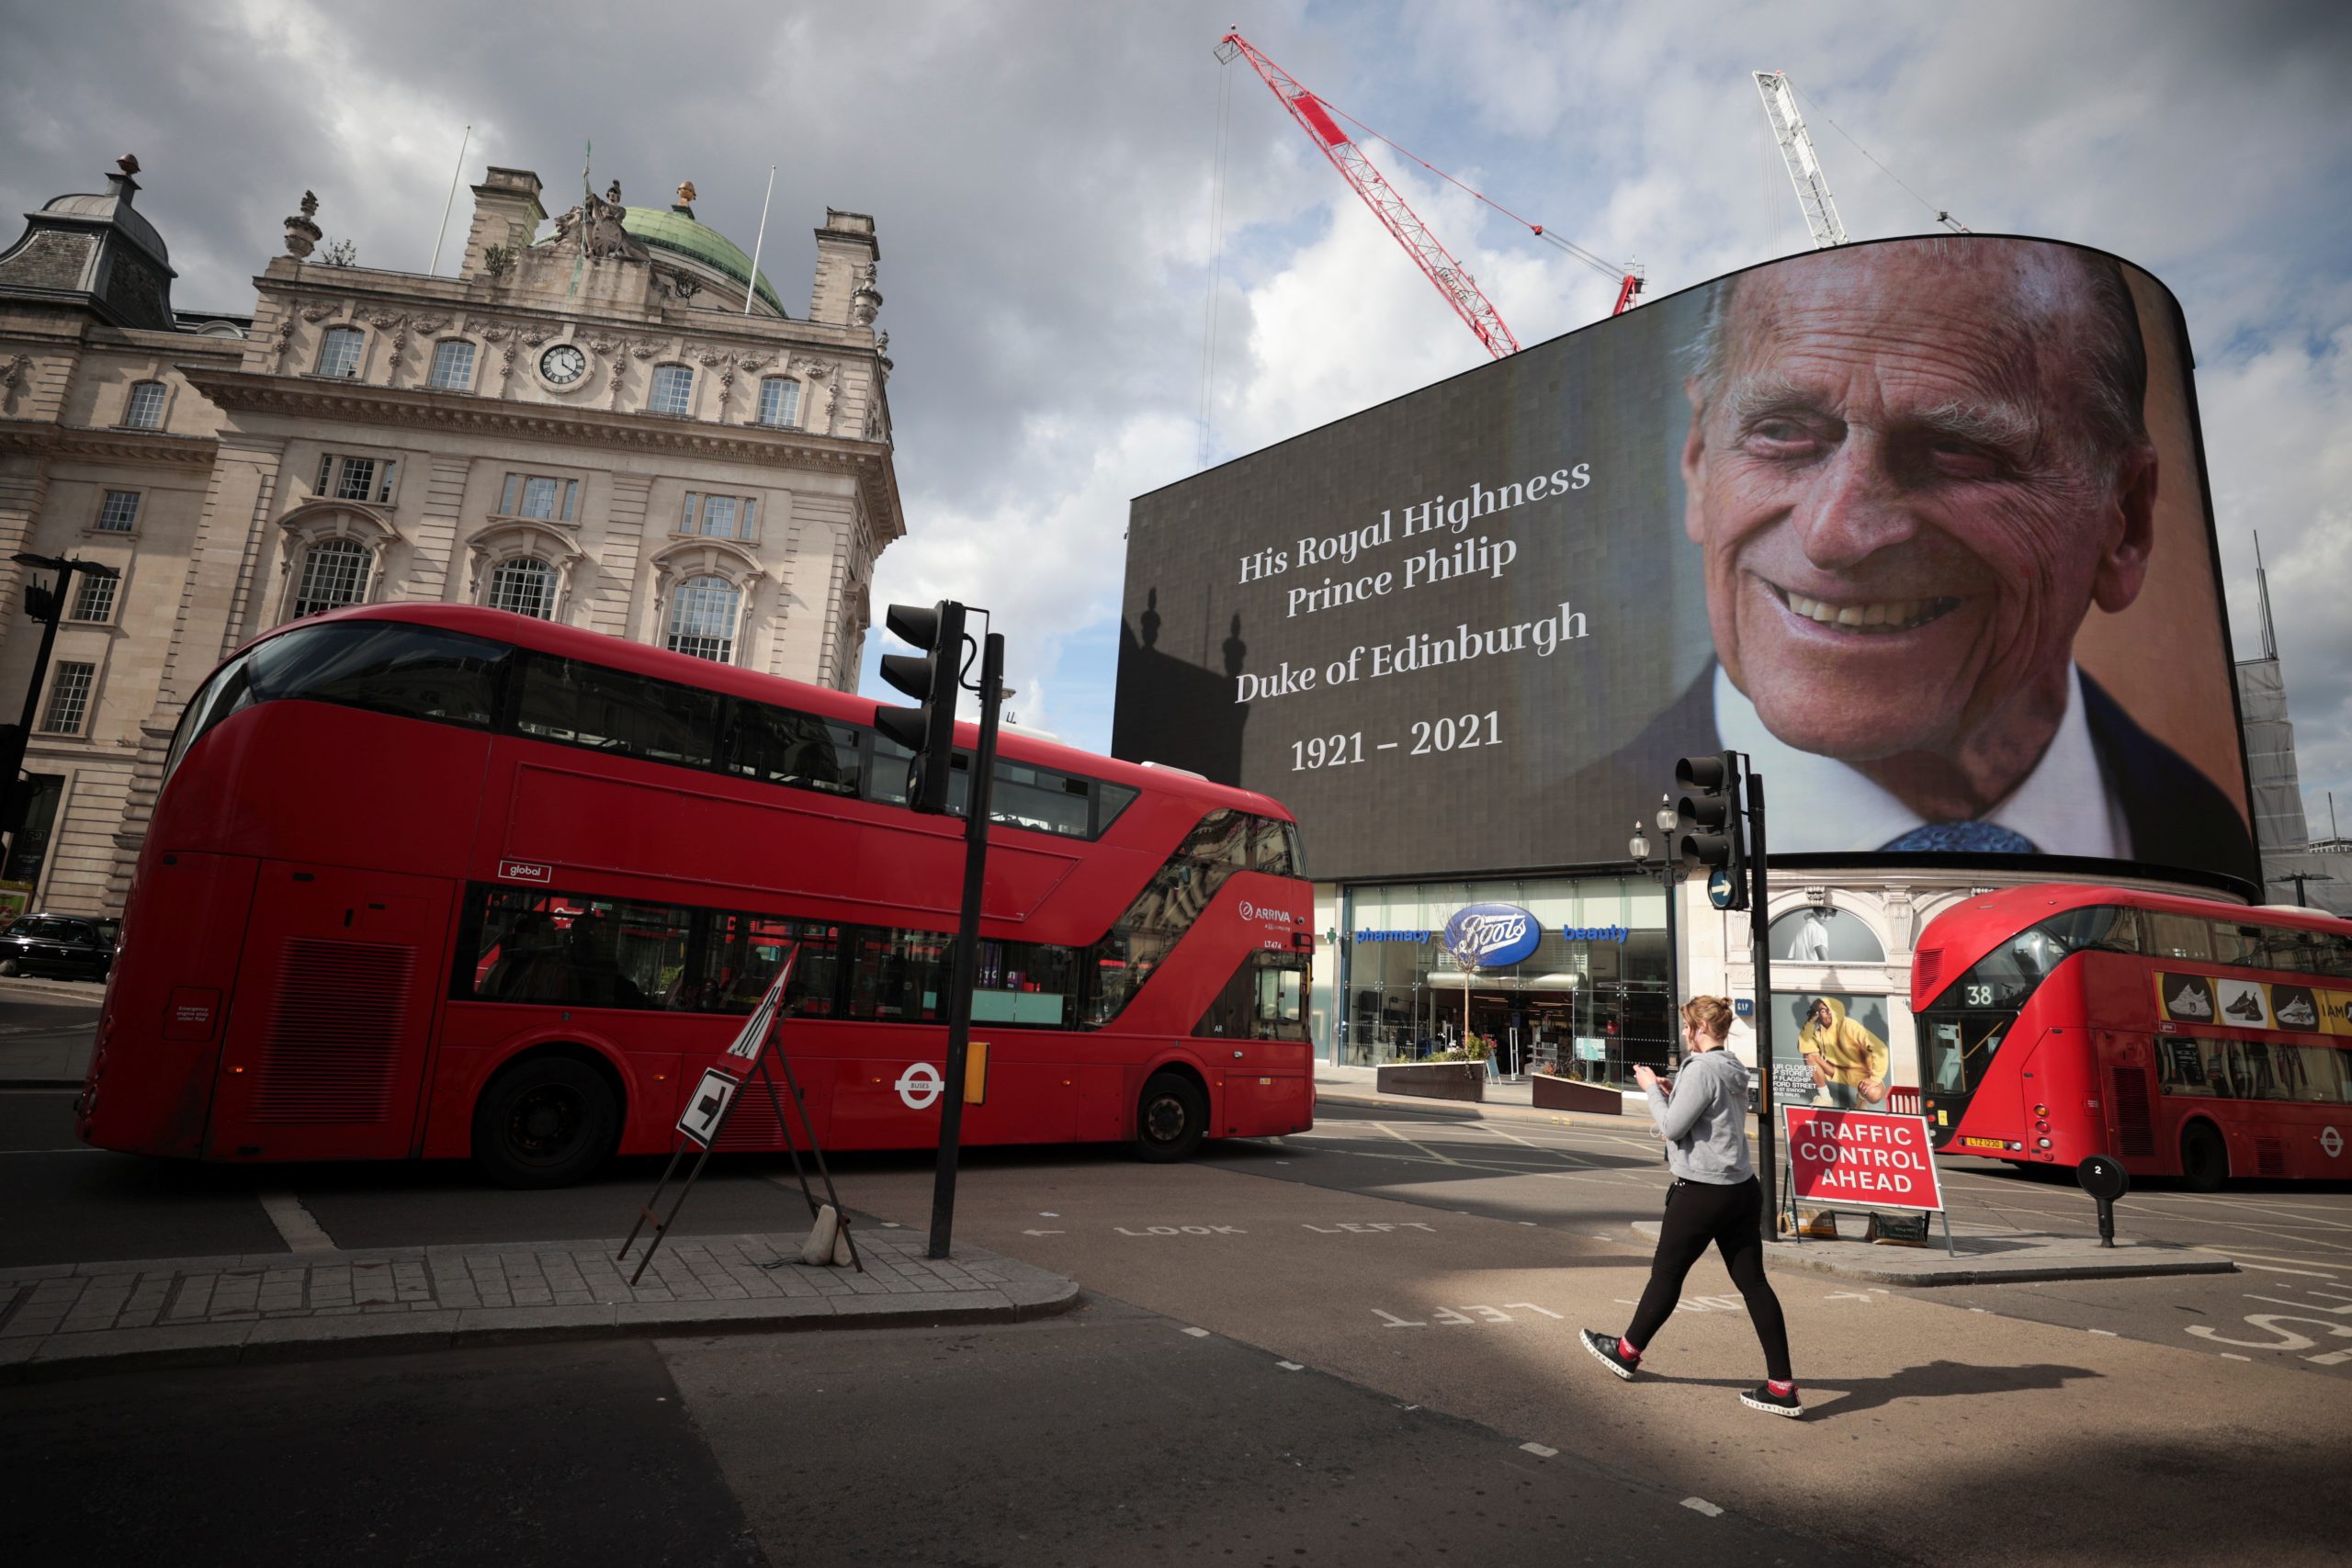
(562, 364)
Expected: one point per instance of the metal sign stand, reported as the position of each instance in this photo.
(705, 1132)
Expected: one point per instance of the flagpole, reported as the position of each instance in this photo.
(751, 288)
(454, 175)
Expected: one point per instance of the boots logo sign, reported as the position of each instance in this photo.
(1492, 936)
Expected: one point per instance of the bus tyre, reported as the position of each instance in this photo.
(1170, 1119)
(2204, 1158)
(8, 967)
(545, 1122)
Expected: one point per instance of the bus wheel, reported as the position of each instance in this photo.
(545, 1122)
(2204, 1158)
(1170, 1119)
(8, 967)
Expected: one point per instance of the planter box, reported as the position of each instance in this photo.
(1566, 1094)
(1435, 1080)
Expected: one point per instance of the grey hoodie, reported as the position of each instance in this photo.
(1705, 1123)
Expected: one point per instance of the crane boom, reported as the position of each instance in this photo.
(1386, 204)
(1797, 149)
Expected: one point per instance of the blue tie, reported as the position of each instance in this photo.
(1961, 837)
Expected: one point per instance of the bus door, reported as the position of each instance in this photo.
(330, 1033)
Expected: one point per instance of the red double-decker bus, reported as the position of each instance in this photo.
(433, 881)
(2183, 1037)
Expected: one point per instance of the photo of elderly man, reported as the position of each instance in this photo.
(1911, 471)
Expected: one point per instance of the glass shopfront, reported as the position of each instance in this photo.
(1591, 1000)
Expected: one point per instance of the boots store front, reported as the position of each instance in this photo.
(1589, 997)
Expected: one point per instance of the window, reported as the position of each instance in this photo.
(1037, 798)
(526, 587)
(120, 511)
(721, 516)
(673, 389)
(453, 366)
(779, 400)
(778, 746)
(900, 977)
(558, 948)
(702, 618)
(69, 698)
(612, 710)
(538, 495)
(145, 410)
(2248, 1070)
(94, 600)
(335, 574)
(354, 479)
(385, 666)
(1263, 1000)
(739, 960)
(339, 351)
(1025, 983)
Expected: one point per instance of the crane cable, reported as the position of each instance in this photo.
(1941, 215)
(1605, 268)
(1216, 257)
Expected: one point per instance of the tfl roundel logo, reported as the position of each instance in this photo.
(1492, 936)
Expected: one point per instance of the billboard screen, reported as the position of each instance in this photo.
(1920, 526)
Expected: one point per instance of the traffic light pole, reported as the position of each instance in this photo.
(1760, 922)
(967, 949)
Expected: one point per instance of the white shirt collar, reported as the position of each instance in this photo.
(2064, 806)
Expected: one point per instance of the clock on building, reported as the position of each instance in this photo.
(563, 364)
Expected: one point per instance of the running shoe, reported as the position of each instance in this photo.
(2298, 1013)
(1762, 1398)
(1606, 1350)
(2248, 1007)
(2190, 1003)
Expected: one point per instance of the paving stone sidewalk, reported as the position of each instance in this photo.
(66, 1319)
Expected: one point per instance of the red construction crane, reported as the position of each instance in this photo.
(1321, 121)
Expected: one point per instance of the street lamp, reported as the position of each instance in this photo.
(46, 606)
(1639, 848)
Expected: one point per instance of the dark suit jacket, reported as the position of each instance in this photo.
(2175, 815)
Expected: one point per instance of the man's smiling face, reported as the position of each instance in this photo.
(1902, 510)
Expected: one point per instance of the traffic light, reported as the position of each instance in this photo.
(1708, 832)
(931, 679)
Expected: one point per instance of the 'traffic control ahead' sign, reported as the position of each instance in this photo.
(1864, 1158)
(708, 1106)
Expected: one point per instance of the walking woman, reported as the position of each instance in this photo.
(1714, 1198)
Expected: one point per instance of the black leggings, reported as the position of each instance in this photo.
(1698, 1212)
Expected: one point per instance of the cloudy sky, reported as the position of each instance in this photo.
(1041, 175)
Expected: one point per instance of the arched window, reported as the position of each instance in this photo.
(702, 618)
(673, 389)
(335, 574)
(525, 586)
(453, 365)
(145, 410)
(779, 400)
(339, 351)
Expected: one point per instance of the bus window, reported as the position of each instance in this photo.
(887, 781)
(2178, 936)
(899, 977)
(561, 949)
(1264, 1000)
(1038, 798)
(1110, 799)
(1270, 843)
(739, 962)
(384, 666)
(1025, 983)
(778, 746)
(587, 705)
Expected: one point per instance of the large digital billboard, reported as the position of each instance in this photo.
(1920, 526)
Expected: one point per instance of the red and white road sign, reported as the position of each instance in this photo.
(1861, 1158)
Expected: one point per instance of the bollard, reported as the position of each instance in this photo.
(2106, 1181)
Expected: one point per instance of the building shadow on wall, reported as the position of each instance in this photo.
(1169, 711)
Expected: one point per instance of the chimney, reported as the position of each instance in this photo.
(845, 249)
(506, 212)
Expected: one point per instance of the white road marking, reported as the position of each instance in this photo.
(1435, 1155)
(294, 1227)
(1198, 1333)
(1539, 1450)
(1701, 1506)
(2108, 1333)
(1289, 1366)
(2233, 1356)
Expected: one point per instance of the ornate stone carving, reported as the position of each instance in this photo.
(599, 227)
(865, 300)
(537, 335)
(605, 345)
(318, 313)
(302, 235)
(642, 351)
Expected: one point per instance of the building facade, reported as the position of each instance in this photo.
(608, 420)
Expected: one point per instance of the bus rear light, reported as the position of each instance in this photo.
(2042, 1143)
(2042, 1110)
(2041, 1126)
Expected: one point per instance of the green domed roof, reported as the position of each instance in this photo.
(668, 230)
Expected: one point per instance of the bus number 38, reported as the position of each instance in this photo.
(1457, 734)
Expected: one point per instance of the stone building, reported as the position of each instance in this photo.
(586, 425)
